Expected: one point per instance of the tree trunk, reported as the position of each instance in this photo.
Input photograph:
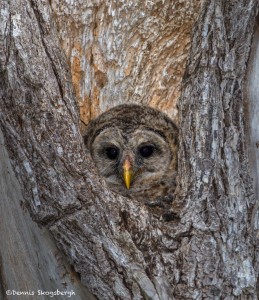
(126, 52)
(252, 110)
(131, 52)
(29, 259)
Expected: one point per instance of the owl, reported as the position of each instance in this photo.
(135, 150)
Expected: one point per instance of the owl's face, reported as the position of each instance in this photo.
(130, 161)
(134, 149)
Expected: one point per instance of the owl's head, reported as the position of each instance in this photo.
(134, 148)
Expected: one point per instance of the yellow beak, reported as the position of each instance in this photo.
(127, 173)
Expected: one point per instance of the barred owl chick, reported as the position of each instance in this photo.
(135, 149)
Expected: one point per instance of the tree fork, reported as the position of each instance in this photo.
(118, 247)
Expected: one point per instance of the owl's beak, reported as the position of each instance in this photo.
(127, 172)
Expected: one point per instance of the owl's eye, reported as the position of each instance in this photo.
(112, 152)
(146, 151)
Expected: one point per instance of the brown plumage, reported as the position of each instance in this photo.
(135, 149)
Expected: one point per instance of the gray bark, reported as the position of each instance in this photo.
(252, 110)
(29, 259)
(120, 250)
(215, 192)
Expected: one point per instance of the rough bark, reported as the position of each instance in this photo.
(29, 259)
(126, 51)
(215, 188)
(118, 247)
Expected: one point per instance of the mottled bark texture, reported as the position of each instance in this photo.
(215, 194)
(29, 258)
(126, 51)
(120, 250)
